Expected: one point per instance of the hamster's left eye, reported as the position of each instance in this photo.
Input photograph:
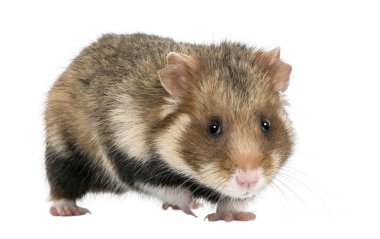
(215, 128)
(265, 126)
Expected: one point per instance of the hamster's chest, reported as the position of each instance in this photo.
(156, 177)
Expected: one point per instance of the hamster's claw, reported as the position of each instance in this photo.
(231, 216)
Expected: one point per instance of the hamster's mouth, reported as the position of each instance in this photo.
(243, 195)
(240, 195)
(248, 194)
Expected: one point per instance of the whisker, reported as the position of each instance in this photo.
(292, 192)
(290, 205)
(287, 175)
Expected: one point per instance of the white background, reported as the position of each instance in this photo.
(334, 49)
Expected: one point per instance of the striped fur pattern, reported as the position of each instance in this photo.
(112, 125)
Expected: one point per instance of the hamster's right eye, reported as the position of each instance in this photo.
(265, 126)
(215, 128)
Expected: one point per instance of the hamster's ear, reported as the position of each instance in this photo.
(178, 75)
(280, 79)
(281, 74)
(273, 55)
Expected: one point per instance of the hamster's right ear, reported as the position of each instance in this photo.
(179, 74)
(282, 70)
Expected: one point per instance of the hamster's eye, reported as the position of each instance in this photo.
(265, 126)
(215, 128)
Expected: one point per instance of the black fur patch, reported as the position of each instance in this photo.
(156, 172)
(72, 175)
(85, 82)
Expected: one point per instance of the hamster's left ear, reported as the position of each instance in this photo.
(281, 70)
(181, 71)
(280, 79)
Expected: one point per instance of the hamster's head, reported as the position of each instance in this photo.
(226, 125)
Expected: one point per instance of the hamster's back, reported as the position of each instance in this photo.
(107, 96)
(116, 69)
(116, 61)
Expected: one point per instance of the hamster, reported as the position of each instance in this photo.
(178, 121)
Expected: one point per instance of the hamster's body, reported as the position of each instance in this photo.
(173, 120)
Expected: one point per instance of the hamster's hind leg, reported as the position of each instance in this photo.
(67, 207)
(70, 176)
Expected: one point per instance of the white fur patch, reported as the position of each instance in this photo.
(63, 203)
(110, 170)
(168, 108)
(168, 146)
(130, 130)
(54, 138)
(233, 189)
(283, 115)
(175, 196)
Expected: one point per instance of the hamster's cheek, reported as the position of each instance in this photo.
(212, 176)
(271, 165)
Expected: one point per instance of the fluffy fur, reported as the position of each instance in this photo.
(117, 118)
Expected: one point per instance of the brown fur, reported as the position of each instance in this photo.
(112, 90)
(237, 89)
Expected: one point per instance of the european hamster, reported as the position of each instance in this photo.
(173, 120)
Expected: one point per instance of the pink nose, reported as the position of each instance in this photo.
(247, 179)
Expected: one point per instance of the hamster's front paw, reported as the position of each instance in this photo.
(231, 216)
(193, 205)
(187, 209)
(166, 205)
